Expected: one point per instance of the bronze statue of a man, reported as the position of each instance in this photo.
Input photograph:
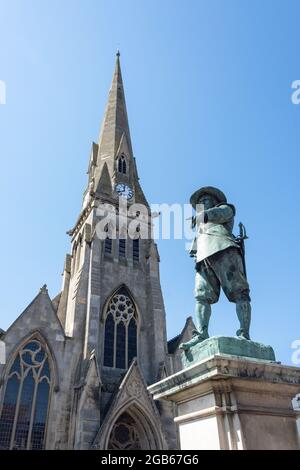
(219, 262)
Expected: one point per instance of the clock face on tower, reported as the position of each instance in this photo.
(124, 190)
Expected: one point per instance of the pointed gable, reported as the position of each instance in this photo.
(88, 403)
(55, 301)
(185, 335)
(139, 194)
(104, 184)
(123, 148)
(133, 388)
(93, 159)
(38, 315)
(131, 394)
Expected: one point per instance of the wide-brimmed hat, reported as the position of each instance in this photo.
(207, 190)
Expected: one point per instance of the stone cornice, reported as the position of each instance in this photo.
(226, 367)
(81, 219)
(87, 210)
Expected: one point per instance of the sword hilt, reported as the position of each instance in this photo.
(243, 235)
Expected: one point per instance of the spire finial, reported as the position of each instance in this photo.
(118, 53)
(44, 289)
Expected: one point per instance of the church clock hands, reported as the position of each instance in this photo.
(124, 191)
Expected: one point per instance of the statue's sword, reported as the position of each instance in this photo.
(241, 241)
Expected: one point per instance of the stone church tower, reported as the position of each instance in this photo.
(78, 366)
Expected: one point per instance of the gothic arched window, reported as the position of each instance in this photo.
(24, 412)
(124, 435)
(120, 331)
(122, 166)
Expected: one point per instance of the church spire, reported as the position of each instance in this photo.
(115, 127)
(112, 159)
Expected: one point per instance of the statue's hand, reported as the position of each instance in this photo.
(201, 218)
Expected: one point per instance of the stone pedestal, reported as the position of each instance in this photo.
(233, 402)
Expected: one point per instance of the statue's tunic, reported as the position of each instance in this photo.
(218, 257)
(214, 231)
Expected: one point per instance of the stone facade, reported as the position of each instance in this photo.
(88, 398)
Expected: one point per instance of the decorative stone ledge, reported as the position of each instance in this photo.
(225, 367)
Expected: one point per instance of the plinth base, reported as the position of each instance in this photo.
(228, 402)
(234, 346)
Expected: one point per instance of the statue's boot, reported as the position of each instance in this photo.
(243, 310)
(202, 314)
(196, 338)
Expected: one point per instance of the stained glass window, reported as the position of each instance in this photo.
(120, 331)
(132, 340)
(25, 407)
(124, 435)
(109, 341)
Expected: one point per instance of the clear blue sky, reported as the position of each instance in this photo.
(208, 88)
